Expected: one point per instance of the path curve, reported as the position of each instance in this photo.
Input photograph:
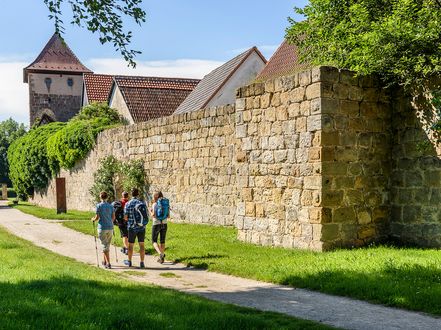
(331, 310)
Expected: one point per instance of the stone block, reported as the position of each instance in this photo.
(313, 91)
(297, 95)
(330, 232)
(305, 78)
(344, 215)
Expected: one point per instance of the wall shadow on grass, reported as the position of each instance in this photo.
(66, 302)
(413, 287)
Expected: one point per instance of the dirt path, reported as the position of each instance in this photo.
(335, 311)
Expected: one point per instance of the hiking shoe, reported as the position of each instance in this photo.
(123, 250)
(162, 258)
(128, 263)
(108, 266)
(141, 265)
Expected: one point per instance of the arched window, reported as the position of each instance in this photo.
(70, 82)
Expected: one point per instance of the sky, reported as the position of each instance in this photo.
(179, 39)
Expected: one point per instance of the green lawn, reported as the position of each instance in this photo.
(41, 290)
(407, 278)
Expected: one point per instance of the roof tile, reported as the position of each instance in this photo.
(97, 87)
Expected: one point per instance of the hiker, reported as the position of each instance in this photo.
(159, 212)
(118, 206)
(135, 213)
(105, 216)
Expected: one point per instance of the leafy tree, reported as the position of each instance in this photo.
(104, 17)
(400, 40)
(10, 130)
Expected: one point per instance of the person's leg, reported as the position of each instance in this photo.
(126, 242)
(106, 257)
(155, 233)
(141, 238)
(163, 233)
(131, 240)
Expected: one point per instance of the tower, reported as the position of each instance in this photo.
(55, 82)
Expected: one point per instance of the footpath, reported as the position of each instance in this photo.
(331, 310)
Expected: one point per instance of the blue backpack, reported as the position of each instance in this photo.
(140, 215)
(162, 210)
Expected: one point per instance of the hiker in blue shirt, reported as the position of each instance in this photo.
(135, 213)
(105, 216)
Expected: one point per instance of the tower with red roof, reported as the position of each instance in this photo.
(55, 82)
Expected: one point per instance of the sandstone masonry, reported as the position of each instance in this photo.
(317, 160)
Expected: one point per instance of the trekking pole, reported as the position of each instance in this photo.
(96, 246)
(116, 250)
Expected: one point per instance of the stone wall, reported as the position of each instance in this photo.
(189, 157)
(416, 174)
(317, 160)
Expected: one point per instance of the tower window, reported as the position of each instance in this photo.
(70, 82)
(48, 82)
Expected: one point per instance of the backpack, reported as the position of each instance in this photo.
(140, 215)
(162, 210)
(119, 213)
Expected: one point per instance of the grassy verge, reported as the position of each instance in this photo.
(41, 290)
(406, 278)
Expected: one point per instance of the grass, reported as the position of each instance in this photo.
(41, 290)
(401, 277)
(169, 275)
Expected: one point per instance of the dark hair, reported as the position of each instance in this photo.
(135, 192)
(125, 194)
(157, 195)
(103, 195)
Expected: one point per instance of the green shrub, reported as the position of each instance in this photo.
(113, 174)
(98, 110)
(28, 161)
(73, 142)
(38, 156)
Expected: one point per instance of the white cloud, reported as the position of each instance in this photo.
(14, 98)
(185, 68)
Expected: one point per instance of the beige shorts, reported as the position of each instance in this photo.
(105, 238)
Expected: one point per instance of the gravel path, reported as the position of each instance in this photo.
(331, 310)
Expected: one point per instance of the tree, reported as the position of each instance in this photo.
(400, 40)
(104, 17)
(10, 130)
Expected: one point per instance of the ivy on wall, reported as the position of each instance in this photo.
(37, 156)
(115, 176)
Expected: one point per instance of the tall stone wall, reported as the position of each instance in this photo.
(278, 126)
(317, 160)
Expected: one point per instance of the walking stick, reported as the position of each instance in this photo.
(96, 246)
(116, 250)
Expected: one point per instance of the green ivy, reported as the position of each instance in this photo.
(113, 175)
(27, 156)
(37, 156)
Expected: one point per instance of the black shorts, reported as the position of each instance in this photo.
(136, 234)
(123, 231)
(160, 230)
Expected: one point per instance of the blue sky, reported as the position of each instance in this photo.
(180, 38)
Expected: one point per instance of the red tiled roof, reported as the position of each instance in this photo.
(284, 61)
(213, 82)
(56, 56)
(152, 97)
(97, 87)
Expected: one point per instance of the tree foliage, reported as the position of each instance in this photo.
(10, 130)
(37, 156)
(28, 161)
(103, 17)
(114, 175)
(400, 40)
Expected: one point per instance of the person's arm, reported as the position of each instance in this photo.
(96, 217)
